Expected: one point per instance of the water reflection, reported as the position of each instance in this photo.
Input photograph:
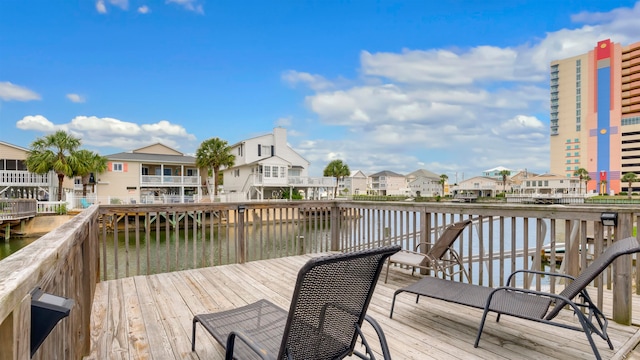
(8, 247)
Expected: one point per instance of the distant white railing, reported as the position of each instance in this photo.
(23, 177)
(52, 207)
(168, 179)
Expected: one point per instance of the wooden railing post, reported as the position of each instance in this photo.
(622, 278)
(335, 227)
(241, 246)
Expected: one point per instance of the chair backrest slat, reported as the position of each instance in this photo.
(331, 296)
(447, 239)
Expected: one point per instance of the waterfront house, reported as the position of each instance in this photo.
(424, 183)
(479, 186)
(17, 182)
(354, 184)
(550, 184)
(266, 166)
(154, 173)
(388, 183)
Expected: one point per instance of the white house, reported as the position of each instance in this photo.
(424, 182)
(550, 184)
(388, 183)
(266, 165)
(480, 186)
(17, 182)
(354, 184)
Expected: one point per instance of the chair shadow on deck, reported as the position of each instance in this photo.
(538, 306)
(329, 304)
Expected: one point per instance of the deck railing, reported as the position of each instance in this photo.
(62, 262)
(113, 241)
(16, 209)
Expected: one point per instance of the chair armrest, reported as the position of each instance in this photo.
(422, 243)
(537, 272)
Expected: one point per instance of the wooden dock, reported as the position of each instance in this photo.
(150, 317)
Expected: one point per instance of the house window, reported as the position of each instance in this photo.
(267, 171)
(236, 173)
(275, 171)
(117, 167)
(282, 172)
(191, 172)
(145, 170)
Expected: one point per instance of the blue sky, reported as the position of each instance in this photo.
(454, 87)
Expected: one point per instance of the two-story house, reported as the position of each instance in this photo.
(154, 173)
(17, 182)
(424, 183)
(388, 183)
(354, 184)
(550, 184)
(478, 186)
(266, 165)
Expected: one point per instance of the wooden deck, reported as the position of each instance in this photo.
(150, 317)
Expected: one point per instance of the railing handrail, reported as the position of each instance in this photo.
(62, 262)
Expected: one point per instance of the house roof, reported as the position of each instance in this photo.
(153, 158)
(423, 173)
(386, 173)
(13, 146)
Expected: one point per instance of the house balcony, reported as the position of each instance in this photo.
(23, 178)
(294, 181)
(138, 274)
(169, 180)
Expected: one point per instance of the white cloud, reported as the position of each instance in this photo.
(191, 5)
(76, 98)
(315, 82)
(101, 5)
(144, 9)
(13, 92)
(113, 133)
(463, 111)
(35, 122)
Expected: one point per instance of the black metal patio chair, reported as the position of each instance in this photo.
(329, 304)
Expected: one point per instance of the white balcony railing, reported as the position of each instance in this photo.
(23, 178)
(147, 180)
(300, 181)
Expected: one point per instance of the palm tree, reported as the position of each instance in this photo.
(581, 173)
(213, 154)
(337, 169)
(504, 174)
(586, 179)
(53, 152)
(629, 178)
(86, 163)
(443, 181)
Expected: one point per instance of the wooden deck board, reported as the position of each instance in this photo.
(150, 317)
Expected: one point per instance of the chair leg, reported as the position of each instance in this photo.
(193, 335)
(387, 275)
(481, 327)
